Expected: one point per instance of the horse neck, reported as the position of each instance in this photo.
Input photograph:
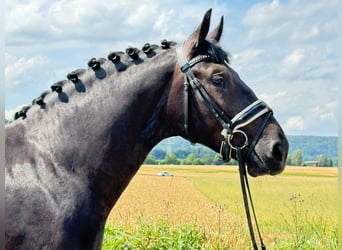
(103, 135)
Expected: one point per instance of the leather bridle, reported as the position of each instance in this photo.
(231, 127)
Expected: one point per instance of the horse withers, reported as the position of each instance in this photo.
(70, 154)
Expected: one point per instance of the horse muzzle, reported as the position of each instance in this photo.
(268, 157)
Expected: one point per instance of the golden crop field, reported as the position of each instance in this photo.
(298, 206)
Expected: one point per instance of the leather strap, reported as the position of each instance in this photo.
(247, 199)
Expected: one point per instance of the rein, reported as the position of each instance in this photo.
(231, 127)
(247, 200)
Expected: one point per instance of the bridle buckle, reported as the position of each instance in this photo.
(231, 137)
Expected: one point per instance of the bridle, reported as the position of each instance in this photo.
(231, 127)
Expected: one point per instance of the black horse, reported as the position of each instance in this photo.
(70, 155)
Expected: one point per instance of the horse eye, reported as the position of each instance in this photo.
(217, 80)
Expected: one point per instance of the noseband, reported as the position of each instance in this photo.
(231, 127)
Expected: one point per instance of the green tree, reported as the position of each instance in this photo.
(297, 157)
(150, 160)
(289, 160)
(323, 161)
(217, 160)
(189, 159)
(207, 159)
(197, 161)
(170, 158)
(331, 163)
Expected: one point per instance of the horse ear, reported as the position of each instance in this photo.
(198, 37)
(204, 28)
(217, 32)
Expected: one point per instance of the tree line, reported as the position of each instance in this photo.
(196, 155)
(191, 159)
(204, 156)
(297, 159)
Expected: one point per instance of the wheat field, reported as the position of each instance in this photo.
(294, 209)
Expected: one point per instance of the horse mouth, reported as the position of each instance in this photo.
(259, 167)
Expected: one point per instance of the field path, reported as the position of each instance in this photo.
(154, 198)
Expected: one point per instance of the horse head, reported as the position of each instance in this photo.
(211, 105)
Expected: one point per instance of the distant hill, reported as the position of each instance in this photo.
(315, 145)
(311, 146)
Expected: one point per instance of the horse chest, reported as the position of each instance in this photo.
(37, 219)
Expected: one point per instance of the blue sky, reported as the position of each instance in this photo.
(286, 51)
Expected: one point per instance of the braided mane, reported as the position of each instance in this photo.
(120, 60)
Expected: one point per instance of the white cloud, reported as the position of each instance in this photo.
(53, 21)
(293, 62)
(25, 20)
(17, 68)
(295, 123)
(45, 21)
(309, 63)
(292, 21)
(245, 57)
(141, 16)
(326, 112)
(274, 99)
(162, 23)
(263, 13)
(303, 35)
(294, 59)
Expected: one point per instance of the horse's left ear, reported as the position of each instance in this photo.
(217, 32)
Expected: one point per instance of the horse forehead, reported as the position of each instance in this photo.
(207, 69)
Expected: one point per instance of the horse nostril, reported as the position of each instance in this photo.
(277, 152)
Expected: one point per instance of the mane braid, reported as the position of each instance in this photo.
(120, 60)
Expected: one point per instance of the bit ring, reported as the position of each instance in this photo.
(231, 137)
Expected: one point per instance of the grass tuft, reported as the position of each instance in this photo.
(160, 235)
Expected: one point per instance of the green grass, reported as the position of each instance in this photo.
(155, 236)
(310, 230)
